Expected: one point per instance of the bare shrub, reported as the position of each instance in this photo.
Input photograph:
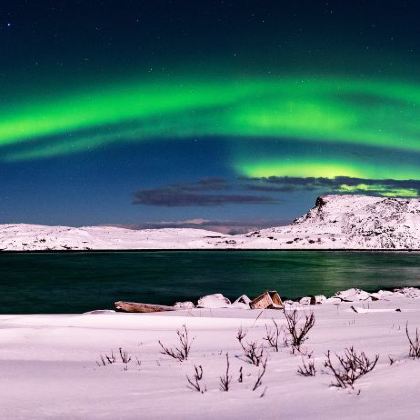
(183, 350)
(261, 374)
(351, 367)
(298, 334)
(414, 343)
(194, 382)
(125, 358)
(307, 368)
(241, 334)
(253, 352)
(272, 335)
(241, 375)
(107, 359)
(226, 379)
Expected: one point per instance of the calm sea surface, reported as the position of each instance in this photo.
(78, 282)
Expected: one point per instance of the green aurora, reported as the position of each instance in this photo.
(375, 113)
(367, 112)
(135, 113)
(378, 189)
(319, 167)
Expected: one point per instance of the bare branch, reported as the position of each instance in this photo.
(195, 381)
(298, 334)
(307, 368)
(253, 352)
(226, 379)
(351, 366)
(180, 353)
(125, 357)
(241, 334)
(414, 343)
(272, 336)
(241, 376)
(107, 359)
(261, 373)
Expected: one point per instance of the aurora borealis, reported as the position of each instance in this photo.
(374, 112)
(151, 96)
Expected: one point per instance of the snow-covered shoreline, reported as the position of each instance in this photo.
(49, 363)
(335, 222)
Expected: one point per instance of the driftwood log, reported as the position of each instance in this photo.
(122, 306)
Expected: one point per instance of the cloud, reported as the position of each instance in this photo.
(205, 192)
(269, 190)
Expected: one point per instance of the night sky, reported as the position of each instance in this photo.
(222, 114)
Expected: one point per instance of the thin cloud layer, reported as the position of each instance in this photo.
(220, 191)
(205, 192)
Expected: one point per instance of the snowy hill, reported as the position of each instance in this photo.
(348, 222)
(37, 237)
(336, 222)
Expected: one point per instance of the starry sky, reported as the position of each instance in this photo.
(228, 115)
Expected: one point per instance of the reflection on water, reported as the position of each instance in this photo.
(77, 282)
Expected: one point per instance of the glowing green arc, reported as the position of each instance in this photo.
(369, 112)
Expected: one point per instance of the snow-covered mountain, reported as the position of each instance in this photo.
(336, 222)
(348, 222)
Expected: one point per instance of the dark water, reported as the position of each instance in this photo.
(78, 282)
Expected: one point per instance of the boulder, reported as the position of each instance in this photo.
(305, 300)
(318, 299)
(184, 305)
(214, 301)
(242, 302)
(410, 292)
(353, 295)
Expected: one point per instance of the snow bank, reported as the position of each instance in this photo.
(49, 364)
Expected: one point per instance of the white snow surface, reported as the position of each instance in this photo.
(336, 222)
(49, 371)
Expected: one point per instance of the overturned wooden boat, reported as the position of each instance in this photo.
(268, 300)
(137, 307)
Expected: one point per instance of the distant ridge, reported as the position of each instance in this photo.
(352, 222)
(336, 222)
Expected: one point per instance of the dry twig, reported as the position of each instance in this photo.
(226, 379)
(272, 336)
(298, 334)
(261, 373)
(253, 352)
(180, 353)
(414, 343)
(307, 368)
(195, 381)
